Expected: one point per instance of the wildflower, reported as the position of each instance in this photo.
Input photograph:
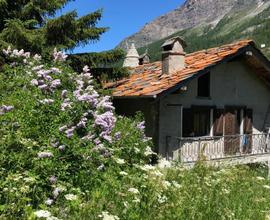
(7, 51)
(107, 216)
(136, 200)
(157, 173)
(49, 202)
(123, 173)
(53, 179)
(266, 186)
(45, 155)
(148, 151)
(166, 184)
(86, 69)
(42, 214)
(101, 167)
(120, 161)
(260, 178)
(162, 199)
(133, 190)
(56, 192)
(71, 197)
(176, 185)
(69, 132)
(62, 147)
(46, 101)
(163, 163)
(147, 167)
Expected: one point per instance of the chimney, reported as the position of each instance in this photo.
(173, 55)
(132, 57)
(144, 58)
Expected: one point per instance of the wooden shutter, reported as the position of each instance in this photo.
(187, 122)
(218, 122)
(248, 121)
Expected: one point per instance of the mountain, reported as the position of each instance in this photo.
(206, 23)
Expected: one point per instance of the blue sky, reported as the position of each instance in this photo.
(123, 17)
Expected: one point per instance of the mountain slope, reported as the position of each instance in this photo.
(252, 23)
(196, 14)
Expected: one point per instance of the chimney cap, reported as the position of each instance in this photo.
(145, 54)
(171, 41)
(132, 52)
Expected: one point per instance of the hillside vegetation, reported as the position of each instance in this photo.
(232, 27)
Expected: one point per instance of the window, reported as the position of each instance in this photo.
(196, 122)
(204, 85)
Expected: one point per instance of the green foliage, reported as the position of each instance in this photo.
(103, 64)
(230, 28)
(32, 25)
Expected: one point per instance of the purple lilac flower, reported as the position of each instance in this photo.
(141, 125)
(105, 104)
(37, 68)
(82, 123)
(97, 141)
(55, 83)
(55, 144)
(70, 132)
(106, 122)
(117, 136)
(61, 129)
(64, 94)
(5, 109)
(43, 87)
(34, 82)
(59, 56)
(56, 70)
(45, 155)
(66, 104)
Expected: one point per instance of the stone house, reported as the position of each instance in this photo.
(215, 101)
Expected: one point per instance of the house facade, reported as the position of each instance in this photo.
(214, 102)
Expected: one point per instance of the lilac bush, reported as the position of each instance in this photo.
(56, 126)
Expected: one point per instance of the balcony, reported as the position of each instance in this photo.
(233, 149)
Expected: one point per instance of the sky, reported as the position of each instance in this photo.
(123, 17)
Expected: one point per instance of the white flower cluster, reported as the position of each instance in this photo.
(107, 216)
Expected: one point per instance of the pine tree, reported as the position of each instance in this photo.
(31, 25)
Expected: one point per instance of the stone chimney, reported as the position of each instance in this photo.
(173, 55)
(132, 57)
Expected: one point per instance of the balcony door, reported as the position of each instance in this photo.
(232, 130)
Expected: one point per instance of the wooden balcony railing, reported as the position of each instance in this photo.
(212, 148)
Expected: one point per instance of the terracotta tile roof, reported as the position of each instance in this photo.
(147, 79)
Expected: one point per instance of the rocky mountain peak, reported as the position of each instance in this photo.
(191, 14)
